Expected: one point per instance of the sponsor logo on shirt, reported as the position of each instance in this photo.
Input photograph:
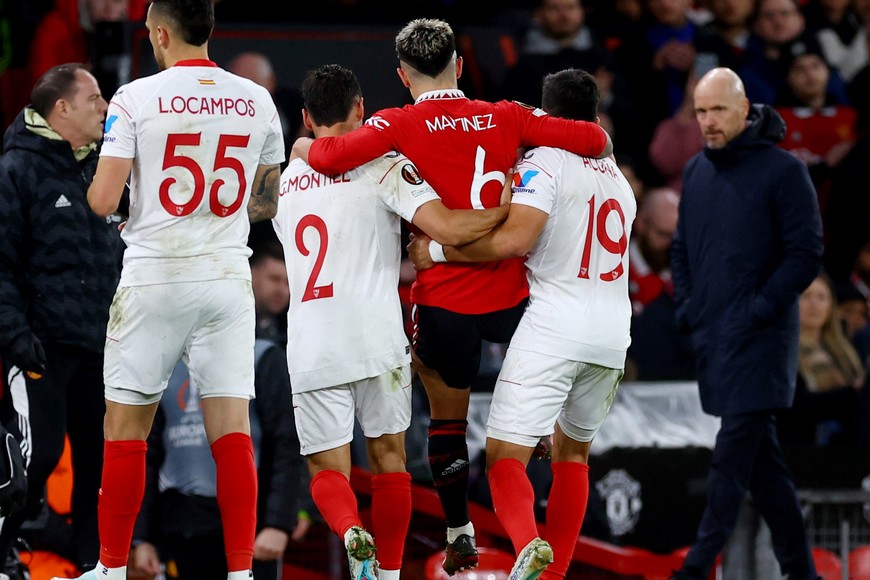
(110, 120)
(521, 181)
(378, 123)
(467, 124)
(411, 175)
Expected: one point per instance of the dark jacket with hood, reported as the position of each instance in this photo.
(59, 261)
(748, 242)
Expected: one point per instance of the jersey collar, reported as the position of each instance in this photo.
(440, 94)
(196, 62)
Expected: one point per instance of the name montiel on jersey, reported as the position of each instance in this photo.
(207, 106)
(467, 124)
(313, 179)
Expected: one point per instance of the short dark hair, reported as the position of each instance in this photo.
(194, 19)
(571, 94)
(58, 82)
(329, 93)
(266, 249)
(427, 45)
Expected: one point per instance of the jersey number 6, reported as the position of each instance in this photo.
(221, 161)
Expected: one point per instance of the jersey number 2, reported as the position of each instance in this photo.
(221, 161)
(597, 227)
(312, 291)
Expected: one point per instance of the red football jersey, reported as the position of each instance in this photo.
(463, 148)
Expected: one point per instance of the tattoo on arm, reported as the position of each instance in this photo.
(263, 204)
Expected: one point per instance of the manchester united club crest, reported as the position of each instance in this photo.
(621, 495)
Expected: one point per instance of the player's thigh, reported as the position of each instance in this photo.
(528, 397)
(220, 353)
(448, 343)
(383, 403)
(324, 418)
(148, 329)
(589, 401)
(499, 326)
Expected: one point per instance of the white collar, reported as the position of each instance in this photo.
(440, 94)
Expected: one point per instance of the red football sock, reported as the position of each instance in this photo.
(121, 491)
(513, 500)
(237, 497)
(335, 500)
(565, 510)
(391, 515)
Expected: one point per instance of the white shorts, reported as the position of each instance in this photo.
(210, 325)
(324, 418)
(535, 390)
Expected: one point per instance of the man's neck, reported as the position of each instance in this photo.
(187, 53)
(336, 130)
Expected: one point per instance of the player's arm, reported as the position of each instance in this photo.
(458, 226)
(263, 204)
(512, 239)
(579, 137)
(106, 189)
(335, 155)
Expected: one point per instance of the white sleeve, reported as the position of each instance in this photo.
(273, 149)
(401, 187)
(536, 178)
(119, 133)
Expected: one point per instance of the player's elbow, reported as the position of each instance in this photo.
(101, 205)
(511, 247)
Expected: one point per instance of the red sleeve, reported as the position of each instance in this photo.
(537, 129)
(333, 155)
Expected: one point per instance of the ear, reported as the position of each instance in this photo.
(61, 106)
(163, 37)
(404, 77)
(459, 62)
(360, 110)
(306, 120)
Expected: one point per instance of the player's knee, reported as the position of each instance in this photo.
(387, 454)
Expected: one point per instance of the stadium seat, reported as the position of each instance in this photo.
(859, 563)
(828, 565)
(494, 564)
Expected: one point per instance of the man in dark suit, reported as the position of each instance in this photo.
(748, 241)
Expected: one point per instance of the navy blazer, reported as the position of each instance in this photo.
(748, 242)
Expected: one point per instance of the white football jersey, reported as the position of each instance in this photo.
(578, 268)
(197, 134)
(342, 245)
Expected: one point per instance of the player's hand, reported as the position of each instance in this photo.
(507, 192)
(300, 149)
(303, 524)
(26, 352)
(146, 559)
(544, 448)
(270, 544)
(418, 252)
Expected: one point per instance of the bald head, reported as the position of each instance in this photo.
(656, 224)
(255, 67)
(721, 106)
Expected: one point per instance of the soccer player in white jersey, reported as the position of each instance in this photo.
(571, 217)
(200, 146)
(347, 351)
